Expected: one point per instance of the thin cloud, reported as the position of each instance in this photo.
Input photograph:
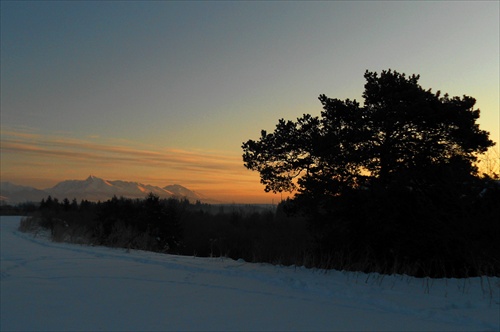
(78, 150)
(217, 173)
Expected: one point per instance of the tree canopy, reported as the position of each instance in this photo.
(402, 135)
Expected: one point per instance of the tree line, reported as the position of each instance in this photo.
(176, 227)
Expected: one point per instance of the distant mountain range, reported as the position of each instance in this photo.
(95, 189)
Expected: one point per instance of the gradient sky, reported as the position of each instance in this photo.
(166, 92)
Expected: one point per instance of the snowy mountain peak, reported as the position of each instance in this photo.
(181, 191)
(96, 189)
(95, 179)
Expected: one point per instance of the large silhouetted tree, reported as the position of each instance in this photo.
(403, 134)
(390, 181)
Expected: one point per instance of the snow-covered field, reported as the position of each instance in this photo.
(56, 286)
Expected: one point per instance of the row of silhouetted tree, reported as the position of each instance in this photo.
(395, 233)
(151, 223)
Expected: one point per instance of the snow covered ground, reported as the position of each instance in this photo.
(57, 286)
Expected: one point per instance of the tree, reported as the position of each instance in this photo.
(162, 220)
(402, 133)
(413, 131)
(391, 183)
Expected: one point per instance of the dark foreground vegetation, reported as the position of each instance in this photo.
(418, 245)
(391, 187)
(252, 233)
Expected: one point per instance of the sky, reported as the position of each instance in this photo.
(166, 92)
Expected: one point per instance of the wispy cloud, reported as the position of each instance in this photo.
(59, 157)
(77, 150)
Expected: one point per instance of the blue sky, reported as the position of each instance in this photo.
(190, 81)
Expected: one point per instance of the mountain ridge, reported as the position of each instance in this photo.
(96, 189)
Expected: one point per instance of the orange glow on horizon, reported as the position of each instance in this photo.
(42, 161)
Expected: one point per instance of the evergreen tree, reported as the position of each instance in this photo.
(402, 134)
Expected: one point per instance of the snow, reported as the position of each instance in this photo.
(181, 191)
(95, 189)
(59, 286)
